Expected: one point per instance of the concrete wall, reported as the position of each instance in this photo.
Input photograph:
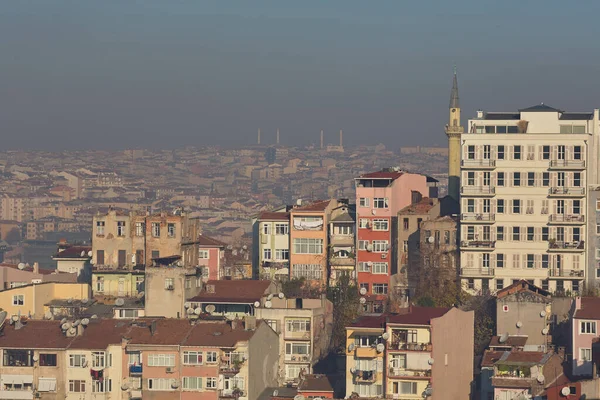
(35, 296)
(526, 308)
(163, 302)
(263, 356)
(452, 370)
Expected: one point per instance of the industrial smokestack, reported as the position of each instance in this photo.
(258, 135)
(341, 138)
(321, 138)
(277, 135)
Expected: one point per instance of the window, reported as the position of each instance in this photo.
(159, 384)
(516, 179)
(100, 284)
(211, 383)
(545, 152)
(18, 300)
(585, 355)
(297, 325)
(379, 246)
(500, 206)
(531, 179)
(530, 233)
(120, 228)
(560, 179)
(470, 152)
(47, 360)
(545, 284)
(517, 152)
(266, 254)
(576, 152)
(363, 267)
(500, 179)
(405, 387)
(282, 254)
(380, 288)
(282, 229)
(470, 233)
(499, 284)
(191, 383)
(486, 260)
(99, 257)
(545, 179)
(576, 206)
(308, 246)
(171, 230)
(140, 228)
(156, 229)
(18, 358)
(545, 260)
(266, 229)
(446, 237)
(77, 360)
(575, 286)
(203, 254)
(211, 356)
(499, 233)
(486, 152)
(155, 254)
(364, 286)
(98, 358)
(380, 268)
(500, 260)
(576, 179)
(307, 271)
(161, 360)
(471, 205)
(362, 244)
(500, 154)
(470, 178)
(364, 202)
(100, 227)
(297, 348)
(516, 236)
(587, 327)
(380, 202)
(516, 208)
(293, 371)
(169, 283)
(381, 224)
(530, 260)
(471, 283)
(192, 357)
(76, 386)
(561, 152)
(576, 234)
(486, 179)
(101, 386)
(363, 223)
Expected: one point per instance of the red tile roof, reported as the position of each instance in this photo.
(521, 286)
(490, 357)
(527, 357)
(74, 252)
(206, 241)
(99, 334)
(418, 315)
(234, 291)
(517, 341)
(369, 321)
(169, 332)
(420, 207)
(278, 216)
(315, 383)
(382, 175)
(217, 334)
(590, 308)
(36, 334)
(319, 205)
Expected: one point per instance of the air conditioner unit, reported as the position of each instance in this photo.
(169, 370)
(384, 255)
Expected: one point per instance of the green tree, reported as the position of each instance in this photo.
(346, 305)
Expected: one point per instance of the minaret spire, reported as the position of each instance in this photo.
(454, 103)
(454, 131)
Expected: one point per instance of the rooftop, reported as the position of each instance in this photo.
(206, 241)
(74, 252)
(234, 291)
(382, 175)
(421, 207)
(315, 383)
(590, 308)
(276, 216)
(511, 341)
(522, 286)
(418, 315)
(319, 205)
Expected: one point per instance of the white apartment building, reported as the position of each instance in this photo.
(525, 182)
(271, 239)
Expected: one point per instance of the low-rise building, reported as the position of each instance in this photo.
(14, 275)
(74, 259)
(585, 324)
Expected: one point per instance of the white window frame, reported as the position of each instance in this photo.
(381, 224)
(379, 268)
(191, 383)
(192, 357)
(211, 383)
(100, 227)
(204, 254)
(364, 202)
(18, 300)
(212, 357)
(155, 229)
(171, 230)
(380, 246)
(282, 229)
(159, 384)
(587, 327)
(121, 228)
(81, 384)
(161, 360)
(267, 254)
(380, 202)
(77, 360)
(585, 355)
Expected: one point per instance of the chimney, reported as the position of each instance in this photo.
(258, 135)
(321, 138)
(277, 135)
(341, 138)
(36, 268)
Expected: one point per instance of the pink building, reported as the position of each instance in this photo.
(379, 197)
(586, 320)
(210, 255)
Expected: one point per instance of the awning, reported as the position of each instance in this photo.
(16, 379)
(46, 384)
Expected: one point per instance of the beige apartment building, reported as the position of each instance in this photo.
(524, 189)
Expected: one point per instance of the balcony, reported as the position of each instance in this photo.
(297, 358)
(342, 261)
(342, 240)
(476, 272)
(404, 346)
(365, 376)
(301, 335)
(477, 244)
(569, 247)
(365, 352)
(566, 219)
(229, 367)
(135, 370)
(231, 393)
(564, 191)
(567, 164)
(16, 394)
(478, 218)
(135, 394)
(486, 191)
(413, 373)
(566, 273)
(484, 163)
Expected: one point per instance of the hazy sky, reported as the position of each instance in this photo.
(167, 73)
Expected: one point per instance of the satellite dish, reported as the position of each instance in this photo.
(174, 383)
(83, 254)
(363, 291)
(245, 247)
(186, 304)
(565, 391)
(210, 308)
(542, 313)
(15, 318)
(257, 304)
(70, 301)
(369, 247)
(351, 347)
(21, 266)
(85, 364)
(66, 326)
(47, 315)
(94, 316)
(430, 239)
(352, 370)
(119, 302)
(77, 322)
(318, 398)
(198, 310)
(90, 253)
(298, 397)
(281, 295)
(545, 331)
(141, 294)
(363, 300)
(385, 336)
(85, 321)
(503, 338)
(269, 297)
(370, 263)
(62, 321)
(189, 311)
(430, 361)
(380, 347)
(540, 378)
(268, 304)
(72, 331)
(124, 386)
(275, 393)
(35, 358)
(519, 324)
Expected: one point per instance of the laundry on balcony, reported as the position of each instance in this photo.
(367, 375)
(308, 225)
(97, 375)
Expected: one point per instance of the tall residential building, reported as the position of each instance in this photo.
(524, 182)
(271, 244)
(379, 197)
(454, 131)
(342, 225)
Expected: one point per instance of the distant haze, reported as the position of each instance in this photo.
(157, 73)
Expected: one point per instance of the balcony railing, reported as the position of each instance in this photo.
(566, 191)
(570, 164)
(300, 358)
(135, 370)
(566, 246)
(409, 346)
(342, 261)
(482, 163)
(478, 190)
(231, 393)
(567, 218)
(566, 273)
(481, 271)
(477, 244)
(365, 376)
(403, 372)
(477, 217)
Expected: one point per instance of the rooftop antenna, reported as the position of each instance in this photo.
(277, 135)
(321, 138)
(258, 135)
(341, 136)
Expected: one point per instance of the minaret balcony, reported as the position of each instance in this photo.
(485, 163)
(484, 191)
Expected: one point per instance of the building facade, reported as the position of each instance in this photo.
(342, 250)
